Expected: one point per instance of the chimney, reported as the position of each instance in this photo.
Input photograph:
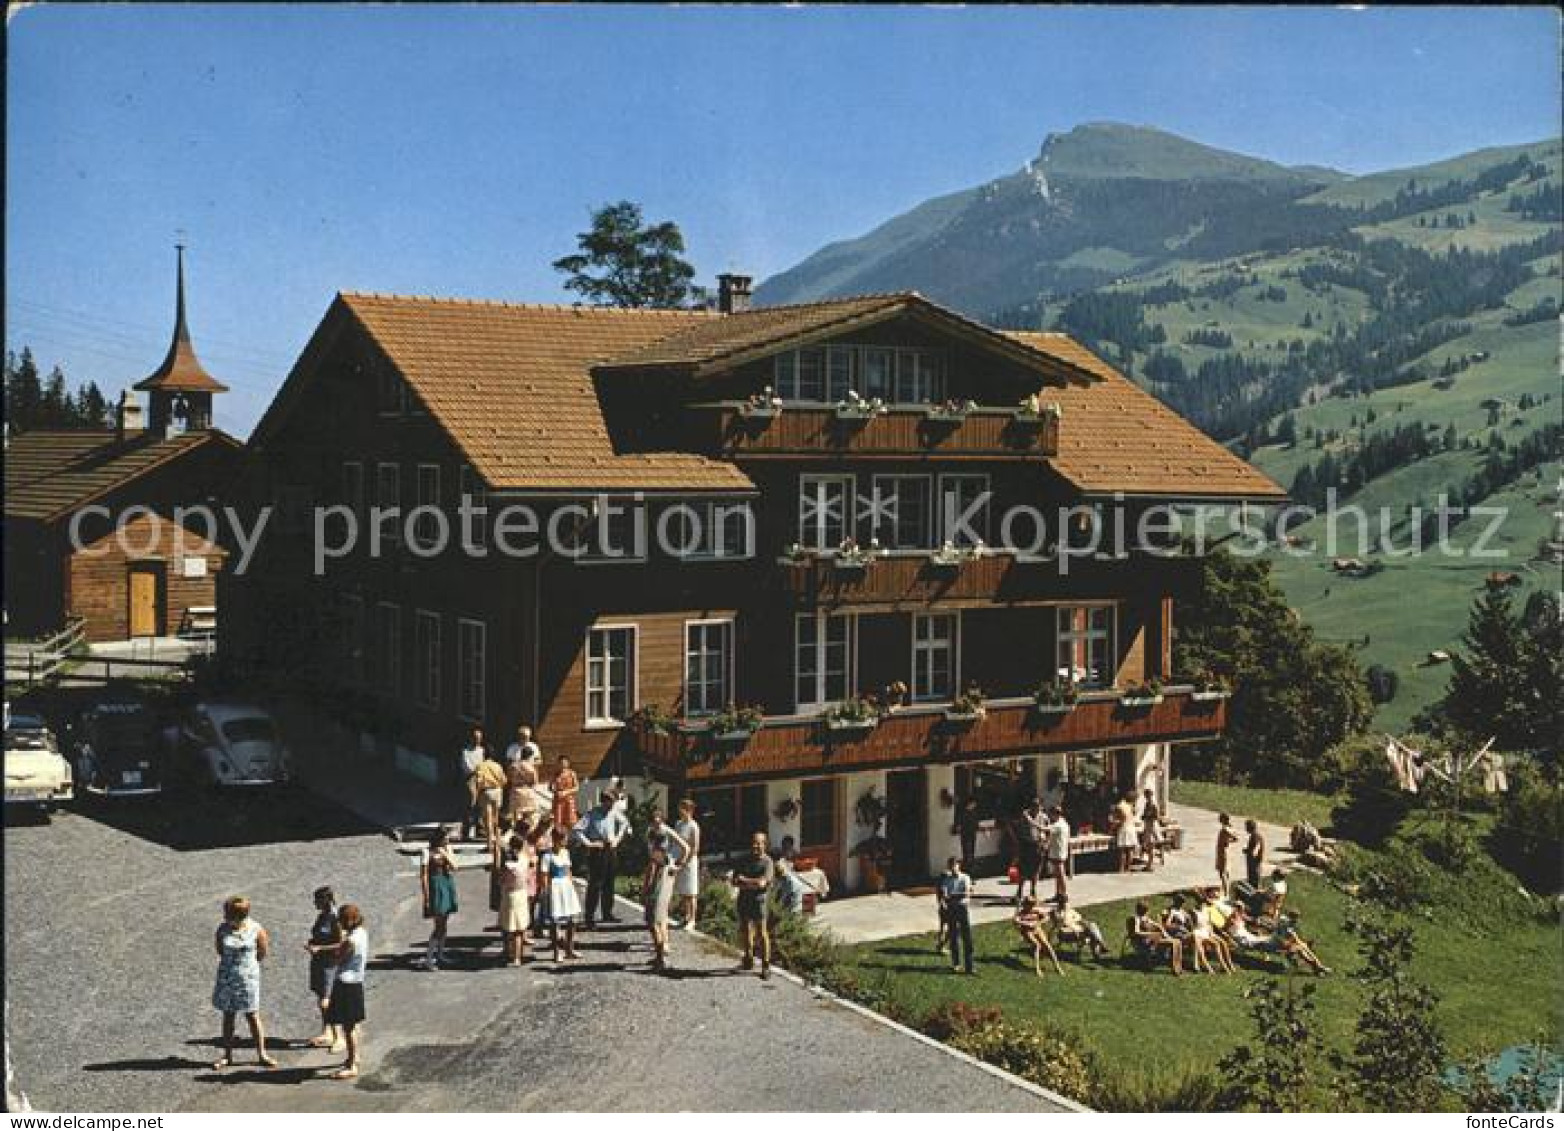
(733, 293)
(127, 417)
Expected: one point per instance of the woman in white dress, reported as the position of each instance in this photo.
(559, 898)
(1126, 834)
(687, 880)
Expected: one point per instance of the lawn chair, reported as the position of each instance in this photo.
(1077, 941)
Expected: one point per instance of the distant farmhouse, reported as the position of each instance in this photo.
(738, 670)
(145, 580)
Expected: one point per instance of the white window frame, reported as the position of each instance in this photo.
(1109, 637)
(633, 512)
(913, 376)
(426, 529)
(893, 541)
(941, 493)
(923, 649)
(471, 487)
(472, 695)
(632, 677)
(822, 696)
(715, 543)
(809, 527)
(729, 648)
(920, 376)
(426, 648)
(390, 529)
(388, 649)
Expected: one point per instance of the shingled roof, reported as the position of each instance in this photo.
(512, 385)
(50, 474)
(1116, 437)
(181, 371)
(714, 344)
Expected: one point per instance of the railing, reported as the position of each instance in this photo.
(800, 746)
(913, 576)
(901, 430)
(35, 661)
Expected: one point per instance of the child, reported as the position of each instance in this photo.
(656, 896)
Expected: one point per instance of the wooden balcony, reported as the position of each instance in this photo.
(913, 577)
(792, 746)
(900, 432)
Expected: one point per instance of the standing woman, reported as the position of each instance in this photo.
(242, 945)
(559, 893)
(345, 1000)
(1124, 835)
(438, 876)
(687, 880)
(1254, 854)
(325, 936)
(656, 895)
(515, 913)
(566, 787)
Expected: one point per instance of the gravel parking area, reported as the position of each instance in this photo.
(109, 965)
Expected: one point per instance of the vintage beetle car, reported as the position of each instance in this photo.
(35, 771)
(230, 744)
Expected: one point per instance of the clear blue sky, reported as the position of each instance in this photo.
(457, 151)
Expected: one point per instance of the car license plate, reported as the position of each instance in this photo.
(131, 777)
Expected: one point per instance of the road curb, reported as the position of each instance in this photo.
(823, 994)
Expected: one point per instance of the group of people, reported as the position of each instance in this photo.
(1210, 927)
(338, 947)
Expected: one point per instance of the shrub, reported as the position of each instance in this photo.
(957, 1019)
(1399, 880)
(1375, 803)
(1180, 1089)
(1034, 1052)
(1530, 829)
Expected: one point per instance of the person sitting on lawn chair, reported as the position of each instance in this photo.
(1207, 938)
(1149, 938)
(1284, 941)
(1030, 922)
(1070, 926)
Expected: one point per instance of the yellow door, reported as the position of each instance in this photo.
(143, 602)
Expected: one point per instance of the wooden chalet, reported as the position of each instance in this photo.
(623, 662)
(90, 515)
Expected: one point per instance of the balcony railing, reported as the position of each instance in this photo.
(901, 430)
(913, 577)
(793, 746)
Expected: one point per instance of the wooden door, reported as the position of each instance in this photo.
(907, 817)
(143, 601)
(820, 823)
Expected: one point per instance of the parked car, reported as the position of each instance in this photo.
(228, 744)
(117, 750)
(35, 771)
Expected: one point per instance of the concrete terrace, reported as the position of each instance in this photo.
(871, 918)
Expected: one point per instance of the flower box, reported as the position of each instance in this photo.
(850, 562)
(941, 560)
(741, 734)
(945, 415)
(952, 715)
(1210, 696)
(760, 412)
(1140, 700)
(788, 560)
(851, 726)
(1052, 708)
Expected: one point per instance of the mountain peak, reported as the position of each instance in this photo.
(1114, 150)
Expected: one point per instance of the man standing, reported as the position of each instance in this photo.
(753, 878)
(1029, 847)
(955, 890)
(473, 755)
(599, 833)
(523, 749)
(1057, 852)
(1254, 853)
(1150, 828)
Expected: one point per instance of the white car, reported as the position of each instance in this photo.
(35, 771)
(232, 745)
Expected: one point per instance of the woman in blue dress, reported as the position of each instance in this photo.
(559, 898)
(439, 883)
(242, 945)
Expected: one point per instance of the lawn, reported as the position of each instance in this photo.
(1284, 807)
(1497, 989)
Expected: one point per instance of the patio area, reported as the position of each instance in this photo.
(870, 918)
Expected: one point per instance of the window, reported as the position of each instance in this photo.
(963, 509)
(934, 641)
(615, 532)
(824, 510)
(901, 510)
(352, 640)
(708, 664)
(477, 498)
(388, 496)
(729, 816)
(610, 674)
(353, 487)
(426, 653)
(390, 391)
(1086, 644)
(426, 527)
(839, 366)
(817, 813)
(711, 529)
(472, 669)
(388, 646)
(1001, 788)
(919, 377)
(877, 373)
(822, 659)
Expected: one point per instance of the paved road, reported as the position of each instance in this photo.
(108, 925)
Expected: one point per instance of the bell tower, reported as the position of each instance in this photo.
(179, 394)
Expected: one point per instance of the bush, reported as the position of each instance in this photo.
(1383, 683)
(1398, 880)
(1181, 1089)
(957, 1019)
(1375, 804)
(1034, 1052)
(1530, 830)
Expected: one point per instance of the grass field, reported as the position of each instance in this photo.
(1284, 807)
(1496, 989)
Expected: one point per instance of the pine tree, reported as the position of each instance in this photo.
(55, 410)
(23, 391)
(1489, 690)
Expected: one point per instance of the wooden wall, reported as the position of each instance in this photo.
(97, 585)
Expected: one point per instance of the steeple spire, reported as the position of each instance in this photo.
(181, 370)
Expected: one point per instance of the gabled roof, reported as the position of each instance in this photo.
(715, 344)
(512, 386)
(181, 371)
(1116, 437)
(50, 474)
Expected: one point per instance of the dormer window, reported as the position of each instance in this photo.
(826, 374)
